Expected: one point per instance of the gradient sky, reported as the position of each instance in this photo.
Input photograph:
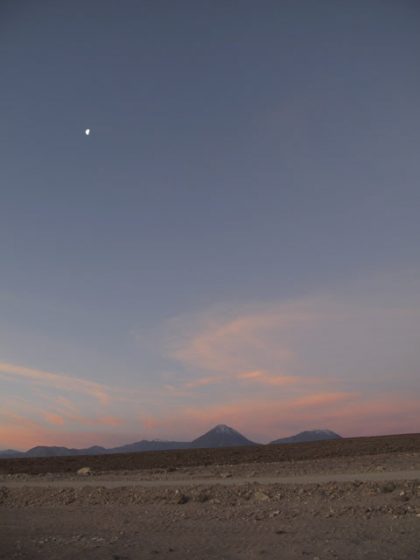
(237, 241)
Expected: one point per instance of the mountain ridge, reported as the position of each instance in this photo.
(220, 435)
(307, 436)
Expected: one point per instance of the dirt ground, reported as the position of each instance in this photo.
(353, 507)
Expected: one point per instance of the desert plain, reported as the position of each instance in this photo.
(348, 499)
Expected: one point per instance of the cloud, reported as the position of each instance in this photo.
(205, 381)
(339, 342)
(264, 419)
(247, 340)
(53, 418)
(259, 377)
(264, 378)
(343, 362)
(57, 381)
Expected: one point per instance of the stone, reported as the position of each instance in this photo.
(85, 471)
(387, 488)
(182, 499)
(261, 496)
(202, 497)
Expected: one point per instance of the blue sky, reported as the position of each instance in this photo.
(239, 233)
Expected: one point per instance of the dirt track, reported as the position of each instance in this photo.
(352, 507)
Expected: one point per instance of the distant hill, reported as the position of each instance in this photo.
(9, 453)
(221, 436)
(150, 445)
(46, 451)
(312, 435)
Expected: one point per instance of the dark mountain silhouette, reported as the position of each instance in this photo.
(46, 451)
(150, 445)
(221, 436)
(312, 435)
(6, 453)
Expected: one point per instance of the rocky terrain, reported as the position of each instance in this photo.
(326, 506)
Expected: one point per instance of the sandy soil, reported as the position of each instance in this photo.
(364, 507)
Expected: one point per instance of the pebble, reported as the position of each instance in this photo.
(182, 499)
(85, 471)
(388, 487)
(274, 513)
(261, 496)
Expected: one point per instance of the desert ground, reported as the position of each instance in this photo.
(347, 499)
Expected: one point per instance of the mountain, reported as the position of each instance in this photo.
(94, 450)
(150, 445)
(9, 453)
(46, 451)
(221, 436)
(312, 435)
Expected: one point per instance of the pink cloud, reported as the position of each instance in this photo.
(56, 381)
(243, 342)
(259, 419)
(265, 378)
(53, 418)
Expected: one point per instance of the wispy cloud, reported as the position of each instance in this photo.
(241, 342)
(265, 378)
(53, 418)
(264, 419)
(57, 381)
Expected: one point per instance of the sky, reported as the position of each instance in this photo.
(236, 241)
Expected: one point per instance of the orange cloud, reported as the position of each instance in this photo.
(58, 420)
(110, 421)
(204, 381)
(259, 419)
(248, 341)
(53, 418)
(264, 378)
(322, 399)
(264, 420)
(57, 381)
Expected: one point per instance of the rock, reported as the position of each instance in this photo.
(182, 499)
(85, 471)
(226, 475)
(261, 496)
(202, 497)
(387, 488)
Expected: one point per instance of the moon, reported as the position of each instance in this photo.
(87, 131)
